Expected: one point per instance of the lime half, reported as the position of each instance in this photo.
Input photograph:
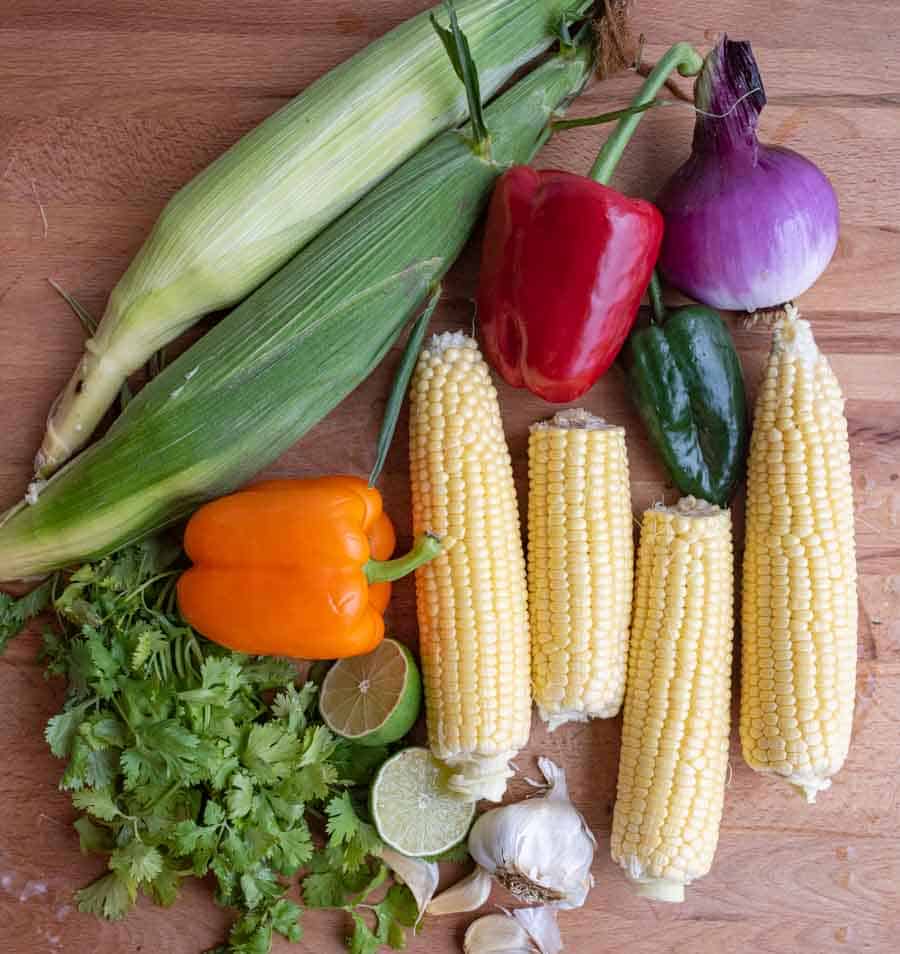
(413, 810)
(372, 699)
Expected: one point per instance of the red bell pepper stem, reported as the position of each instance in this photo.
(688, 62)
(657, 305)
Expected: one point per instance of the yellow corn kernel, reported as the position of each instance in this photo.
(580, 566)
(799, 611)
(471, 600)
(674, 752)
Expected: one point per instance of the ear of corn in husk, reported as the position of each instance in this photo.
(799, 611)
(244, 216)
(276, 365)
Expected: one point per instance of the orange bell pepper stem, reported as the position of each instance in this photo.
(425, 548)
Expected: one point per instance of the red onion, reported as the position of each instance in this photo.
(747, 225)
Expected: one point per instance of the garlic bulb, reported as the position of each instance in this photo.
(525, 931)
(540, 849)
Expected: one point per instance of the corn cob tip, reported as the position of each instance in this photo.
(475, 777)
(793, 335)
(809, 786)
(655, 889)
(575, 418)
(689, 507)
(444, 345)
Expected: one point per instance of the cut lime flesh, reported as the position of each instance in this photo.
(373, 699)
(413, 810)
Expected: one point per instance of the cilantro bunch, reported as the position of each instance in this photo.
(187, 759)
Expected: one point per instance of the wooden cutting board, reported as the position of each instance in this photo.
(108, 106)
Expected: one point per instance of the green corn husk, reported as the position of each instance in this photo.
(243, 217)
(285, 357)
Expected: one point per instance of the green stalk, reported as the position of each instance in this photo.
(601, 118)
(426, 548)
(688, 62)
(401, 385)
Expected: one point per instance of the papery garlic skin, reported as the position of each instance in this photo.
(540, 849)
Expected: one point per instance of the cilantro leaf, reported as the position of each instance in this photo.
(92, 838)
(259, 884)
(271, 752)
(164, 887)
(61, 729)
(357, 764)
(250, 935)
(312, 783)
(240, 796)
(293, 849)
(364, 843)
(343, 822)
(323, 889)
(137, 861)
(15, 614)
(101, 803)
(362, 940)
(286, 919)
(400, 904)
(110, 896)
(292, 705)
(318, 745)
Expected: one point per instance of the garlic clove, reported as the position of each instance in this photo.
(542, 927)
(421, 877)
(469, 894)
(497, 934)
(525, 931)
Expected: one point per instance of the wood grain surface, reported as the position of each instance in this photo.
(108, 106)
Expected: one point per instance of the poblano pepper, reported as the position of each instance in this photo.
(685, 377)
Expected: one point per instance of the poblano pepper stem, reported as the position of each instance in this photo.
(688, 62)
(426, 548)
(657, 305)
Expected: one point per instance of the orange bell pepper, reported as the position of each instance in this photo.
(294, 568)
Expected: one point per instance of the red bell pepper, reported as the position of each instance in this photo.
(566, 261)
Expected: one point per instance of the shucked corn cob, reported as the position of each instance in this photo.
(471, 600)
(580, 566)
(244, 216)
(799, 613)
(279, 362)
(677, 701)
